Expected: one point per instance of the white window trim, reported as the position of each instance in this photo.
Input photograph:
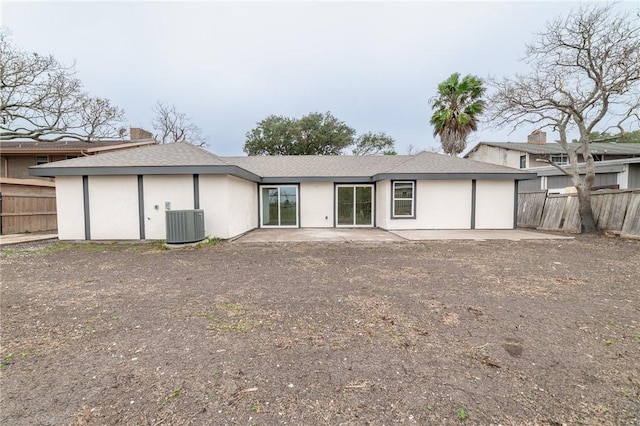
(564, 159)
(393, 200)
(297, 225)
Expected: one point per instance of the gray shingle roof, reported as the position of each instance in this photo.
(362, 166)
(556, 148)
(185, 158)
(174, 154)
(315, 166)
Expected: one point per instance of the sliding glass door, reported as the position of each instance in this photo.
(279, 206)
(354, 205)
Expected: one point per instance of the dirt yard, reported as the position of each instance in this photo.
(500, 332)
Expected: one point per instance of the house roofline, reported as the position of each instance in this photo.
(144, 170)
(62, 150)
(456, 176)
(121, 146)
(242, 173)
(606, 166)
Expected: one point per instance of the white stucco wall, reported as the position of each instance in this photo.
(230, 205)
(383, 204)
(494, 204)
(70, 207)
(159, 189)
(214, 198)
(440, 204)
(316, 204)
(113, 207)
(242, 206)
(443, 204)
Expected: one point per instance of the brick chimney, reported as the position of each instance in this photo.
(537, 137)
(136, 134)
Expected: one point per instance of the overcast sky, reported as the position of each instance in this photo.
(228, 65)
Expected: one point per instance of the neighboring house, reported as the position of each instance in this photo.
(617, 164)
(610, 174)
(124, 195)
(17, 156)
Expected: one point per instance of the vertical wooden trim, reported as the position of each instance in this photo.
(141, 207)
(87, 216)
(196, 191)
(473, 204)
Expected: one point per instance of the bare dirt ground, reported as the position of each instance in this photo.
(464, 332)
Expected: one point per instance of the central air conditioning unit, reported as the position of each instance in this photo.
(185, 226)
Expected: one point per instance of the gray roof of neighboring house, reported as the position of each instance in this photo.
(64, 145)
(556, 148)
(186, 158)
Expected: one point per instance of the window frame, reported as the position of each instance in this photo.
(394, 199)
(40, 157)
(261, 205)
(564, 159)
(354, 224)
(523, 161)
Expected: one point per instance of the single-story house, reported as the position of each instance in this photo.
(124, 195)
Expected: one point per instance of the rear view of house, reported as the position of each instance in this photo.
(125, 195)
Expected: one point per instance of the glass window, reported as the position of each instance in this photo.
(403, 199)
(354, 205)
(288, 206)
(42, 159)
(560, 159)
(279, 206)
(345, 205)
(523, 161)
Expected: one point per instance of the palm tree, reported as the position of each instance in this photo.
(456, 111)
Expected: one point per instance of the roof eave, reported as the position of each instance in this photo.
(455, 176)
(297, 179)
(144, 170)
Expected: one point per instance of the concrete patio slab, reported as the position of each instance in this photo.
(478, 234)
(317, 235)
(9, 239)
(380, 235)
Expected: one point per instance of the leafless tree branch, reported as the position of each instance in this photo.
(174, 126)
(41, 99)
(585, 69)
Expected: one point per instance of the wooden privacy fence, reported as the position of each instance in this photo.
(29, 207)
(614, 210)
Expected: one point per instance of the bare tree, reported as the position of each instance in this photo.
(585, 72)
(41, 99)
(174, 126)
